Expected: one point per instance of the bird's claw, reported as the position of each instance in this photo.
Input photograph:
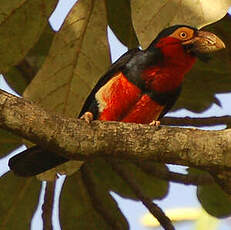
(87, 116)
(155, 123)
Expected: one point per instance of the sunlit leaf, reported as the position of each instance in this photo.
(119, 20)
(79, 55)
(19, 198)
(19, 76)
(206, 221)
(21, 29)
(8, 142)
(7, 8)
(151, 16)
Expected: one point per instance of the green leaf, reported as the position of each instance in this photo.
(77, 207)
(20, 75)
(119, 20)
(19, 199)
(7, 8)
(151, 186)
(151, 16)
(86, 195)
(20, 29)
(214, 200)
(207, 79)
(8, 142)
(78, 57)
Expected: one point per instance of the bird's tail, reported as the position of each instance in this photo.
(34, 161)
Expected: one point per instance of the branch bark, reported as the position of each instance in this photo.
(75, 139)
(196, 121)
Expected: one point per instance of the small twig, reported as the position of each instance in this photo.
(187, 179)
(154, 209)
(198, 122)
(97, 201)
(47, 206)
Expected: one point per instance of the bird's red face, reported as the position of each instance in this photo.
(193, 42)
(180, 46)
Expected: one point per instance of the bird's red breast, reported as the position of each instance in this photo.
(121, 100)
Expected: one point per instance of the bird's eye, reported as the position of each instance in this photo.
(183, 35)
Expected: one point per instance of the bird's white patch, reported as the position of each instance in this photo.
(103, 95)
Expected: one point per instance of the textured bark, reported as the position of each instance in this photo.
(75, 139)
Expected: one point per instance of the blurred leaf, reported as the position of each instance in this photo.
(79, 55)
(207, 79)
(21, 29)
(77, 207)
(205, 221)
(8, 142)
(176, 215)
(212, 198)
(20, 75)
(179, 215)
(151, 16)
(119, 20)
(19, 198)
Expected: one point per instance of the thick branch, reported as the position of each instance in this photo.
(199, 121)
(75, 139)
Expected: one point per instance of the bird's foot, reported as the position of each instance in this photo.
(155, 123)
(87, 116)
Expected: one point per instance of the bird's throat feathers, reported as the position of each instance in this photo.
(169, 73)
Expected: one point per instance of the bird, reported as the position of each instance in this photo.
(140, 87)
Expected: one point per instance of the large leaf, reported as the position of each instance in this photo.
(20, 75)
(151, 186)
(19, 198)
(7, 8)
(119, 20)
(86, 194)
(207, 79)
(8, 142)
(212, 198)
(78, 207)
(21, 29)
(151, 16)
(79, 55)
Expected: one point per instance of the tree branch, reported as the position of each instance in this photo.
(75, 139)
(47, 206)
(198, 122)
(187, 179)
